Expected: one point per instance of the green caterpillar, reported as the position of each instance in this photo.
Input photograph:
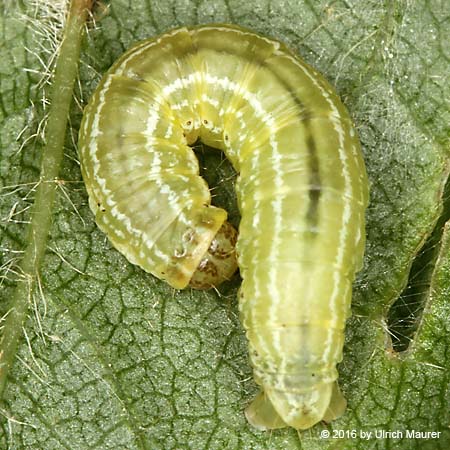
(302, 193)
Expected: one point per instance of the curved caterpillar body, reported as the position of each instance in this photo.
(301, 187)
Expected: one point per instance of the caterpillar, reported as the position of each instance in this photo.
(301, 189)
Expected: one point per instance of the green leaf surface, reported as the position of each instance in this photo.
(113, 358)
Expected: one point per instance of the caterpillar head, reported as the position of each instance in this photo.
(219, 263)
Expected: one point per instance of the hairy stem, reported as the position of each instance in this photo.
(41, 217)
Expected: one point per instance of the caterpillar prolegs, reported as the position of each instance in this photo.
(301, 189)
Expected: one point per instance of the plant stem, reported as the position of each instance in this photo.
(41, 216)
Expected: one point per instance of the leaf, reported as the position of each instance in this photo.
(113, 358)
